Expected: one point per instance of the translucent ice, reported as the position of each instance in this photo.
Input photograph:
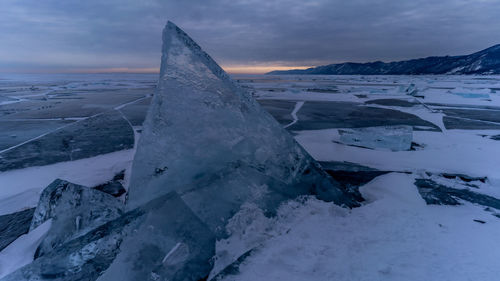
(75, 210)
(162, 238)
(170, 244)
(395, 138)
(83, 258)
(201, 124)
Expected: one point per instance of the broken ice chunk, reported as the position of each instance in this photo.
(172, 243)
(75, 210)
(154, 230)
(395, 138)
(83, 258)
(412, 90)
(471, 93)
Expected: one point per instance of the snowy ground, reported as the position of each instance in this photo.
(393, 236)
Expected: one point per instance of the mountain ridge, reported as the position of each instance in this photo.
(486, 61)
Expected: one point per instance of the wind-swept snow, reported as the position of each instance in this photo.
(395, 236)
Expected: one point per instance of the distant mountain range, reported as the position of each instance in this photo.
(484, 62)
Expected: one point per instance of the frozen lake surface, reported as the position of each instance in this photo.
(83, 128)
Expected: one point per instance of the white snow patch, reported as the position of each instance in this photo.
(19, 201)
(395, 236)
(21, 187)
(21, 252)
(456, 151)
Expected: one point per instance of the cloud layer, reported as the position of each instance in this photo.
(65, 35)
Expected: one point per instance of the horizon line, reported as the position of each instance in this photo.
(238, 69)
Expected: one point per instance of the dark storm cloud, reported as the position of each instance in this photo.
(70, 34)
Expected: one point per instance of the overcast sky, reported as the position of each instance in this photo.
(71, 35)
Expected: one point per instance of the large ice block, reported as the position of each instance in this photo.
(395, 138)
(201, 123)
(83, 258)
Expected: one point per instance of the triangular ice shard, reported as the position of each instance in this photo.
(203, 126)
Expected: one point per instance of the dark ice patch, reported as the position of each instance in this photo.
(94, 136)
(464, 178)
(113, 187)
(476, 114)
(75, 104)
(323, 90)
(14, 225)
(19, 131)
(280, 109)
(351, 176)
(495, 137)
(437, 194)
(392, 102)
(136, 112)
(417, 146)
(315, 115)
(13, 108)
(456, 123)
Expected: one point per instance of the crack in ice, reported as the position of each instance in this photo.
(296, 109)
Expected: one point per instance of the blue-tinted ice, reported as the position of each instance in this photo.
(74, 210)
(202, 123)
(395, 138)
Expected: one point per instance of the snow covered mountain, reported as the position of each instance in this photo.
(484, 62)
